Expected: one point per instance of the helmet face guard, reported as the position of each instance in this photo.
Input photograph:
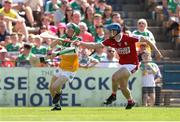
(114, 29)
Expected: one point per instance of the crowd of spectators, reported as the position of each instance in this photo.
(167, 12)
(22, 22)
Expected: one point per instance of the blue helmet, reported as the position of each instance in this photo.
(115, 27)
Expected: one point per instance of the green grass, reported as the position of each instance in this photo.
(89, 114)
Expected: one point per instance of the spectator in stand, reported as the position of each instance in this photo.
(23, 59)
(100, 6)
(76, 5)
(3, 32)
(142, 47)
(110, 60)
(142, 30)
(88, 18)
(43, 29)
(46, 21)
(116, 18)
(150, 76)
(34, 10)
(91, 2)
(97, 21)
(76, 18)
(61, 29)
(21, 38)
(52, 6)
(38, 49)
(99, 34)
(60, 13)
(4, 60)
(85, 60)
(11, 16)
(84, 5)
(107, 16)
(68, 15)
(99, 54)
(13, 47)
(84, 35)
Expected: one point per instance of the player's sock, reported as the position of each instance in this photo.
(56, 98)
(130, 104)
(114, 94)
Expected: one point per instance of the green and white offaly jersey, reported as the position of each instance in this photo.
(39, 51)
(146, 33)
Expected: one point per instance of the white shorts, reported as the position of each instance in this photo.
(69, 75)
(130, 67)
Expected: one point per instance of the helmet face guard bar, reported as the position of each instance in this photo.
(114, 27)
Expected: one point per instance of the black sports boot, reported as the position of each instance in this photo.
(57, 107)
(130, 104)
(110, 99)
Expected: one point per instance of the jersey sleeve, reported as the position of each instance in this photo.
(133, 38)
(110, 42)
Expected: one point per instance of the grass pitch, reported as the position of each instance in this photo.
(89, 114)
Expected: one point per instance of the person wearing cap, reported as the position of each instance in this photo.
(61, 29)
(11, 16)
(125, 47)
(68, 65)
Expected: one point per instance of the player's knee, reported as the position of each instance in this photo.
(123, 87)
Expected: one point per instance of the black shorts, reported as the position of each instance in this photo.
(148, 90)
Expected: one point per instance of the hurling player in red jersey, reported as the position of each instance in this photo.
(126, 49)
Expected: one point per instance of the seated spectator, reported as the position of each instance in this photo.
(13, 47)
(68, 15)
(97, 21)
(61, 29)
(34, 9)
(107, 16)
(23, 59)
(76, 5)
(52, 6)
(99, 54)
(142, 30)
(84, 35)
(99, 34)
(11, 16)
(76, 17)
(88, 18)
(4, 60)
(110, 60)
(37, 49)
(3, 32)
(116, 18)
(150, 76)
(85, 60)
(84, 5)
(100, 6)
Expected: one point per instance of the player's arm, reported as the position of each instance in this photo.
(152, 45)
(91, 45)
(54, 43)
